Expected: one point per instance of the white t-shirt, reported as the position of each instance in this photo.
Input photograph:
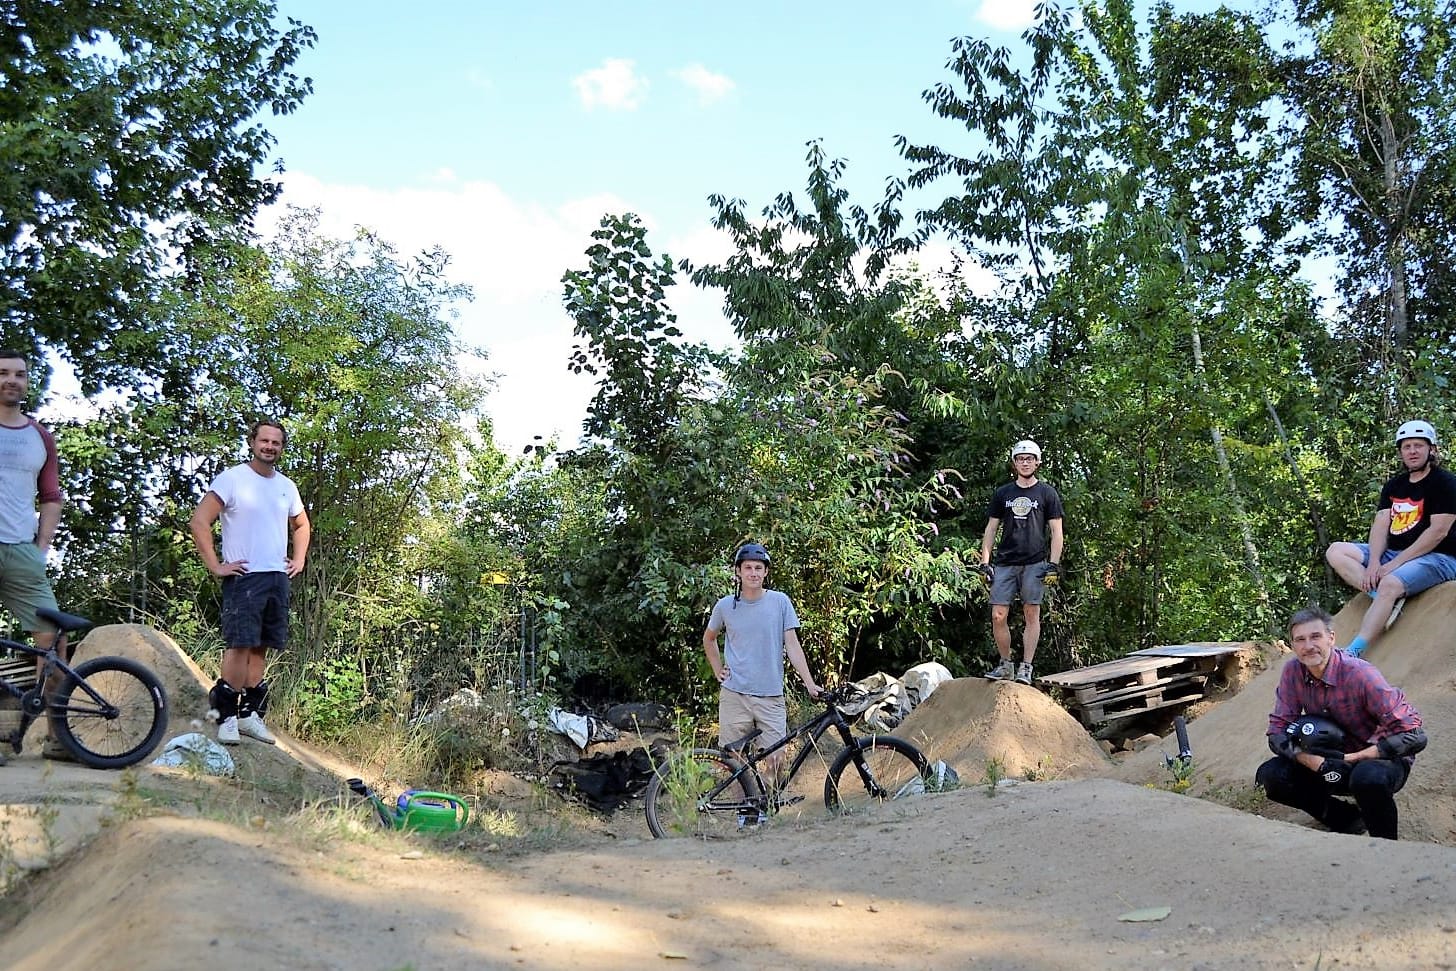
(255, 514)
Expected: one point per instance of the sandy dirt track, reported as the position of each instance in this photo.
(1035, 876)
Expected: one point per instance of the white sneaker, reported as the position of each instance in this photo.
(227, 731)
(1023, 672)
(253, 727)
(1395, 612)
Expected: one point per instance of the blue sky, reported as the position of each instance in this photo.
(503, 132)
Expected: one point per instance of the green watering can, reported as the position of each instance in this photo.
(418, 810)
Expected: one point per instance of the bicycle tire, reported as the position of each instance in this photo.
(893, 769)
(674, 799)
(131, 733)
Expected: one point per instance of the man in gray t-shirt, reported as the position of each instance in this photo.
(760, 627)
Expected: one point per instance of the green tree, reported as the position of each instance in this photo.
(1127, 187)
(130, 142)
(351, 347)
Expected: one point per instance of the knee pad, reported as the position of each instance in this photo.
(222, 701)
(254, 699)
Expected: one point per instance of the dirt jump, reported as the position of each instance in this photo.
(1073, 860)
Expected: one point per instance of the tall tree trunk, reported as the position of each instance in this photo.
(1396, 315)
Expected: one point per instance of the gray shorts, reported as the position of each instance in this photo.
(1023, 580)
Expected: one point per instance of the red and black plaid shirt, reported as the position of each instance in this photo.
(1352, 693)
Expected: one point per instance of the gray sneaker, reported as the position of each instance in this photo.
(1023, 672)
(1004, 671)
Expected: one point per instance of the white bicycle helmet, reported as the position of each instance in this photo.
(1415, 429)
(1026, 447)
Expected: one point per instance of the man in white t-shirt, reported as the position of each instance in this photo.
(260, 510)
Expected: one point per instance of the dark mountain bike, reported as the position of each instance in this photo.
(109, 712)
(720, 792)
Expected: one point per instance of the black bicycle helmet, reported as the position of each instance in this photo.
(1317, 735)
(751, 551)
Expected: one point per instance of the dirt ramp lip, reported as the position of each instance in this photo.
(968, 722)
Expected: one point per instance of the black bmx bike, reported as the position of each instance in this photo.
(715, 793)
(108, 712)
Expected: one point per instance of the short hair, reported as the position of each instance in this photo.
(11, 354)
(266, 423)
(1312, 613)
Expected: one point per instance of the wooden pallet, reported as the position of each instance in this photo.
(1175, 693)
(19, 671)
(1143, 681)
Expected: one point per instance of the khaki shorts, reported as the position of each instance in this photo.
(739, 715)
(24, 585)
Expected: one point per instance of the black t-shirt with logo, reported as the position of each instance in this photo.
(1024, 514)
(1412, 504)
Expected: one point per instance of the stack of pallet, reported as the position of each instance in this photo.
(1144, 681)
(19, 670)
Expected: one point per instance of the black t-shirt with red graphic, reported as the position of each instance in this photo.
(1412, 504)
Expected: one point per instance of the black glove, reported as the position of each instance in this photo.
(1336, 773)
(1051, 575)
(1282, 744)
(988, 571)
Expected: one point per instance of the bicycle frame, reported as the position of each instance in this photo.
(33, 700)
(811, 731)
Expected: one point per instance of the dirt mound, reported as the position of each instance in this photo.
(970, 721)
(1418, 654)
(290, 767)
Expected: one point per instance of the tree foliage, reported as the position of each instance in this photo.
(130, 140)
(350, 346)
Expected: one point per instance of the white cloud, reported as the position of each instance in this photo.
(1007, 14)
(615, 85)
(478, 80)
(710, 87)
(512, 254)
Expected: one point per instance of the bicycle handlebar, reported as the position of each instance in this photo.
(840, 695)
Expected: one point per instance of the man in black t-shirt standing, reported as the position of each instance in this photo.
(1028, 514)
(1411, 547)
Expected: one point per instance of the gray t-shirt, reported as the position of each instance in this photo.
(754, 641)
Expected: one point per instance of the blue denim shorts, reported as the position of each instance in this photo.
(255, 610)
(1421, 573)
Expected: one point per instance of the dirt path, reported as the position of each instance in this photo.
(1035, 877)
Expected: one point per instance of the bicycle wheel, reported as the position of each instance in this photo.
(678, 801)
(873, 771)
(120, 729)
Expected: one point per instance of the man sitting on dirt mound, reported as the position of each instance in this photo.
(1366, 752)
(1411, 545)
